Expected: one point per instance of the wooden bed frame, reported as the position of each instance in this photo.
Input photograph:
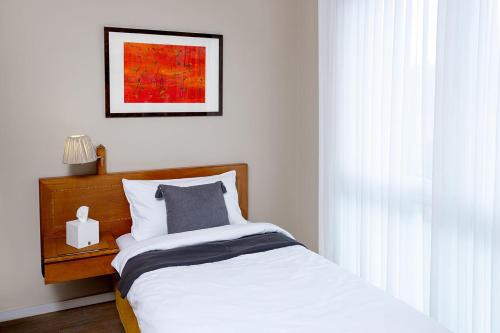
(126, 314)
(61, 196)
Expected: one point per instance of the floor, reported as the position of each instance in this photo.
(94, 318)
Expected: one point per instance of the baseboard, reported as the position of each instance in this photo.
(57, 306)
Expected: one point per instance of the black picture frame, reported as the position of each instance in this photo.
(110, 114)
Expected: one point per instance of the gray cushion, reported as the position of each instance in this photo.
(194, 207)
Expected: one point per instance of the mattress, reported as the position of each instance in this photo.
(288, 289)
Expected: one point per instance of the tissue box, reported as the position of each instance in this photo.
(82, 234)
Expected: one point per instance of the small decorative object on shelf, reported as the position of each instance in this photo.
(82, 232)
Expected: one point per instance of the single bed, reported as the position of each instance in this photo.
(269, 283)
(288, 289)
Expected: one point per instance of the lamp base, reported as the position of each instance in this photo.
(101, 160)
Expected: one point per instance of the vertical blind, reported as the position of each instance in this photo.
(410, 151)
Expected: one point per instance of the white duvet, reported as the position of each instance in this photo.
(290, 289)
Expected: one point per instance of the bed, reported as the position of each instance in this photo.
(245, 277)
(289, 289)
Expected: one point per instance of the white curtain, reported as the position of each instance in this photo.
(410, 151)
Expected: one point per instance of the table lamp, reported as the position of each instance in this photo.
(78, 149)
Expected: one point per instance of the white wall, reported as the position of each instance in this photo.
(52, 85)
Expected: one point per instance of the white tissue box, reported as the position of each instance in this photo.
(82, 234)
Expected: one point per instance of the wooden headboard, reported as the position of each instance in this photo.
(61, 196)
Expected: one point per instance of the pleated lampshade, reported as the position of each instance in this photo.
(78, 149)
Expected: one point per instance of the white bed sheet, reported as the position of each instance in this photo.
(125, 240)
(290, 289)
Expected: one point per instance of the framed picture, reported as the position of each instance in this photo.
(152, 73)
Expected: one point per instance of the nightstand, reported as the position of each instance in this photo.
(61, 262)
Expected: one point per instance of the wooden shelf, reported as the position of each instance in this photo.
(57, 250)
(62, 262)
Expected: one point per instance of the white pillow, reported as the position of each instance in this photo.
(149, 216)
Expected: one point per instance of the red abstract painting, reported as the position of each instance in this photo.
(156, 73)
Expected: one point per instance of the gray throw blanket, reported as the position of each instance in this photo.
(199, 254)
